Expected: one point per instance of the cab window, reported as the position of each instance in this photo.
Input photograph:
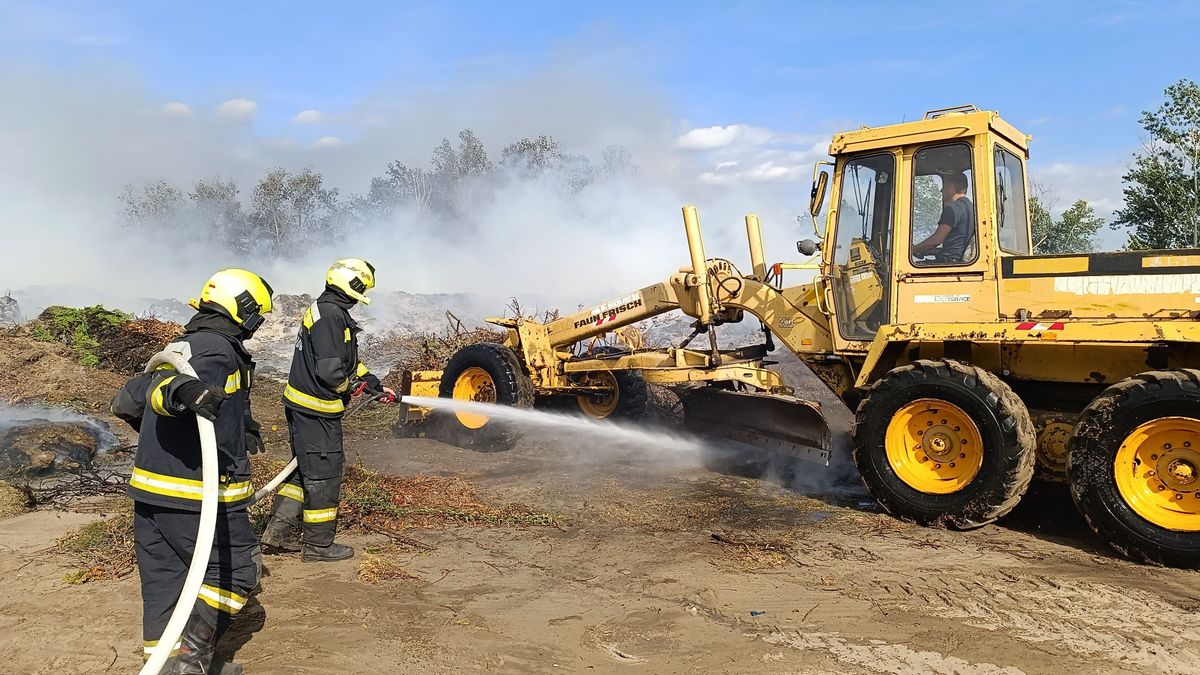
(944, 222)
(861, 258)
(1011, 218)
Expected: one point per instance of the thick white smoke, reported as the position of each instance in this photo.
(72, 140)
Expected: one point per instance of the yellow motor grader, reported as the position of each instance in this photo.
(967, 360)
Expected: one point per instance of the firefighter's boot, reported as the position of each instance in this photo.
(330, 553)
(284, 525)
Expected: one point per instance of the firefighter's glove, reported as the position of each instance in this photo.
(374, 388)
(203, 399)
(254, 441)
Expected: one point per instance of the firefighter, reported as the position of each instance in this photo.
(325, 374)
(166, 481)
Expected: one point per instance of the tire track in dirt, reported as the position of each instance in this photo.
(1090, 619)
(883, 657)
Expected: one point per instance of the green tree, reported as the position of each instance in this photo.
(288, 208)
(1073, 232)
(154, 207)
(1162, 190)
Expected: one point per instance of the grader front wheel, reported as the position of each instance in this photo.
(482, 373)
(944, 443)
(1134, 467)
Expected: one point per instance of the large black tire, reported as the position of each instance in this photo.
(1103, 427)
(631, 395)
(512, 388)
(1003, 423)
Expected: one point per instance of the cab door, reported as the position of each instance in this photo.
(944, 263)
(863, 215)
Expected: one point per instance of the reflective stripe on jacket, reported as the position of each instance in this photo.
(325, 362)
(167, 467)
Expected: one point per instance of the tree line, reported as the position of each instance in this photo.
(1162, 188)
(286, 209)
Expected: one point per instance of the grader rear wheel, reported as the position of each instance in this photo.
(1134, 467)
(944, 443)
(625, 398)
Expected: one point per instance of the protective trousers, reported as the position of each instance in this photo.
(311, 494)
(164, 540)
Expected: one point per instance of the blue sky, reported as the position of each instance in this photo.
(1075, 74)
(741, 94)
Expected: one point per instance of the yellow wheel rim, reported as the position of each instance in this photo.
(934, 446)
(1158, 472)
(603, 405)
(474, 384)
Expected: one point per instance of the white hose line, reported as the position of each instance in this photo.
(274, 482)
(204, 536)
(286, 473)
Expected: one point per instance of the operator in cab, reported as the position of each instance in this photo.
(956, 225)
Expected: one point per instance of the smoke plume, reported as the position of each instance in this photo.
(73, 140)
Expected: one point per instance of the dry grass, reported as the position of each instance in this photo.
(371, 501)
(14, 500)
(386, 503)
(378, 568)
(103, 549)
(750, 553)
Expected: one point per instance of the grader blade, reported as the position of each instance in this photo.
(783, 424)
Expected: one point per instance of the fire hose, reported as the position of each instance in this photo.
(204, 536)
(208, 517)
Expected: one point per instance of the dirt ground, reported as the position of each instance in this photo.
(635, 581)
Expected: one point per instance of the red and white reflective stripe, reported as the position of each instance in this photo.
(1037, 325)
(605, 317)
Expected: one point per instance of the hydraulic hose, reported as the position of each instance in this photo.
(204, 536)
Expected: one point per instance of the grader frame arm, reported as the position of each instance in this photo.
(718, 293)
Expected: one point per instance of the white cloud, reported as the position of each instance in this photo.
(238, 109)
(716, 137)
(773, 163)
(176, 109)
(1099, 184)
(308, 117)
(328, 142)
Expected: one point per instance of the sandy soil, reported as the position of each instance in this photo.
(634, 581)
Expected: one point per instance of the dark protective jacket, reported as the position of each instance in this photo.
(325, 364)
(166, 471)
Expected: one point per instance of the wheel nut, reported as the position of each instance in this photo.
(951, 465)
(937, 466)
(962, 455)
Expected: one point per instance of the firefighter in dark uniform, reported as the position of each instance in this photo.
(325, 373)
(166, 480)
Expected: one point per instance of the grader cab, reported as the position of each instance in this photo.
(968, 361)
